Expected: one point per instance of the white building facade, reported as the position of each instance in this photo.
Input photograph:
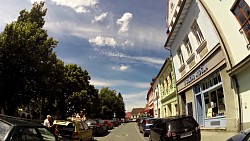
(210, 55)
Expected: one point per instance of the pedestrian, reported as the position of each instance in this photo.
(48, 121)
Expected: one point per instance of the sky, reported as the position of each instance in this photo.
(119, 42)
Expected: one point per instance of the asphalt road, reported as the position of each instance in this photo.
(130, 132)
(127, 132)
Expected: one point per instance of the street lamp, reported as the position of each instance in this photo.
(176, 93)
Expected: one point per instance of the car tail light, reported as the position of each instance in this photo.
(75, 133)
(171, 134)
(146, 121)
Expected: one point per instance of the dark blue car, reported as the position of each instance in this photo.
(145, 124)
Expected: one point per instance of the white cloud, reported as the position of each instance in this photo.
(127, 43)
(121, 68)
(127, 58)
(107, 83)
(124, 22)
(103, 41)
(100, 17)
(134, 100)
(152, 60)
(80, 6)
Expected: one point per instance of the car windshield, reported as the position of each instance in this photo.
(182, 123)
(66, 129)
(4, 128)
(151, 121)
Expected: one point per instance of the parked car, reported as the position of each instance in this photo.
(115, 122)
(145, 124)
(139, 120)
(181, 128)
(241, 136)
(17, 130)
(97, 126)
(109, 124)
(73, 130)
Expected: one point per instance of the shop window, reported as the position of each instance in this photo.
(241, 10)
(214, 103)
(197, 89)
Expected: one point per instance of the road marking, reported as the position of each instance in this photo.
(122, 135)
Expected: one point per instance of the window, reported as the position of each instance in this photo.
(241, 11)
(170, 78)
(180, 56)
(214, 102)
(197, 32)
(188, 46)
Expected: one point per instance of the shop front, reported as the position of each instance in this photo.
(210, 101)
(208, 94)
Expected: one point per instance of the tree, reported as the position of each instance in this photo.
(26, 57)
(120, 108)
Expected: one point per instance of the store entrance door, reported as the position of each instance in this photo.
(199, 109)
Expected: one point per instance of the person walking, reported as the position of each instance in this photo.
(47, 122)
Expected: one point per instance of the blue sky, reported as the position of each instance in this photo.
(119, 42)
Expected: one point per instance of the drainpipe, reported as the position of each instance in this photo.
(176, 93)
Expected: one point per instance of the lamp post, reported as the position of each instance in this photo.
(176, 93)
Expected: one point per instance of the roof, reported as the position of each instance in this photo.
(128, 115)
(136, 111)
(16, 122)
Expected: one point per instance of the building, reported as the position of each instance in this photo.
(150, 101)
(236, 36)
(156, 97)
(128, 116)
(201, 37)
(137, 112)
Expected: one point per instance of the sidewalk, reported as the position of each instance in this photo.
(216, 135)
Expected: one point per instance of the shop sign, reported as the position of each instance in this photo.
(196, 74)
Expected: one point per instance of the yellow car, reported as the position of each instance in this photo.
(72, 130)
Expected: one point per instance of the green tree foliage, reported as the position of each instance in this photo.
(111, 103)
(26, 57)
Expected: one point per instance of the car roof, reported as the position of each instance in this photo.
(62, 122)
(176, 117)
(18, 122)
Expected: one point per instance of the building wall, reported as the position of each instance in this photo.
(215, 56)
(234, 40)
(243, 80)
(195, 13)
(190, 99)
(231, 102)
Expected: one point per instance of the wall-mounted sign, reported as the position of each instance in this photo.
(196, 74)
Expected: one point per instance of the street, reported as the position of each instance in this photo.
(130, 132)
